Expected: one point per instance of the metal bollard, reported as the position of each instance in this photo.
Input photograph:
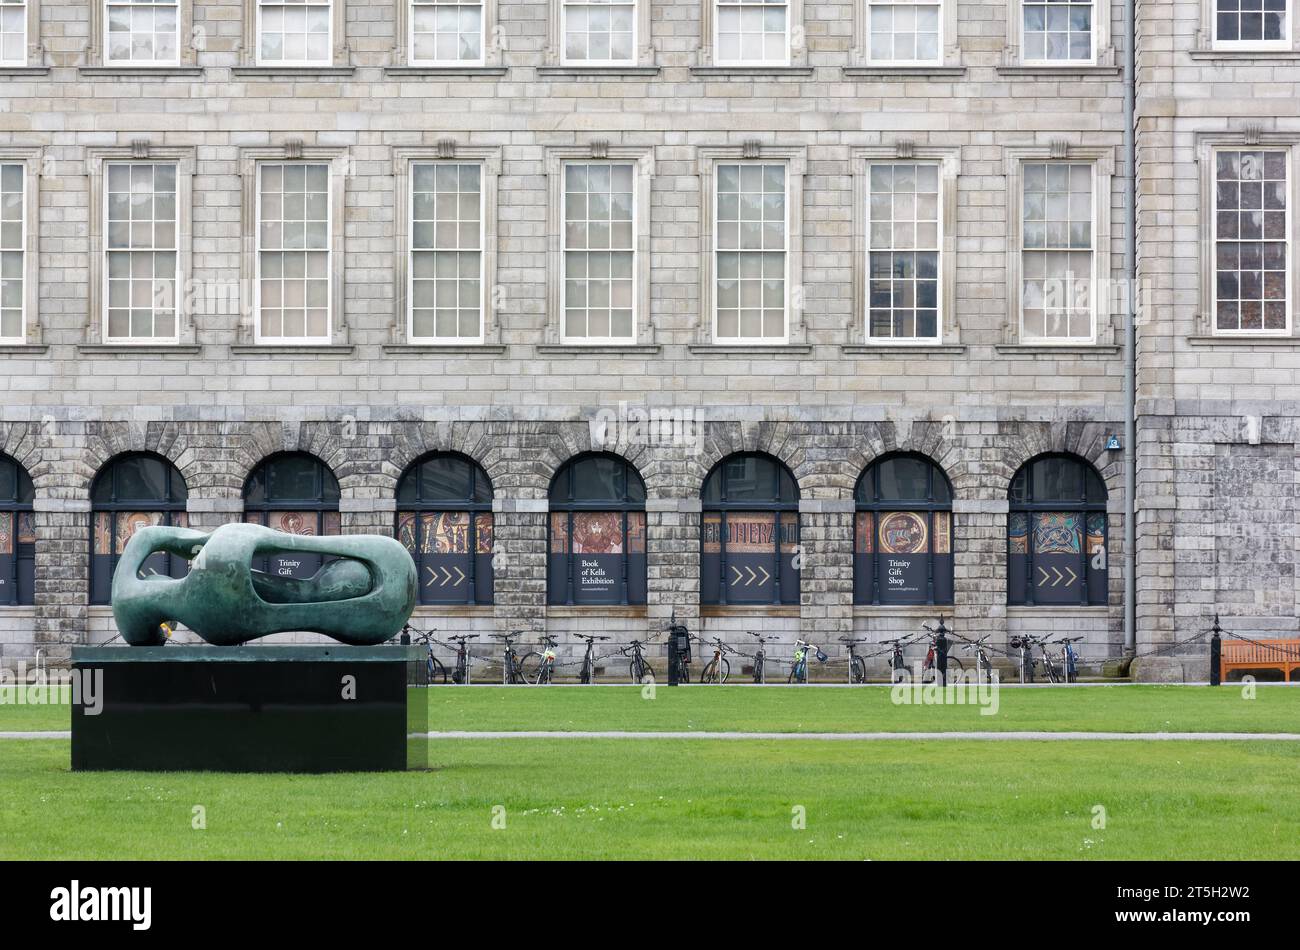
(1216, 654)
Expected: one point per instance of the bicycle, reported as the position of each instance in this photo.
(1049, 668)
(1025, 645)
(930, 666)
(588, 674)
(1069, 658)
(799, 671)
(460, 675)
(897, 664)
(857, 665)
(541, 672)
(512, 668)
(638, 668)
(983, 666)
(717, 669)
(760, 659)
(433, 667)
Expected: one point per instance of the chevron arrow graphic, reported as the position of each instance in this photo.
(736, 580)
(766, 576)
(433, 576)
(1073, 576)
(461, 579)
(1045, 577)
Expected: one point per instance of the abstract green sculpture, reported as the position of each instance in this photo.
(362, 598)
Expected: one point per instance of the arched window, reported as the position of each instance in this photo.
(129, 493)
(17, 535)
(749, 533)
(902, 539)
(1056, 533)
(597, 536)
(296, 493)
(444, 517)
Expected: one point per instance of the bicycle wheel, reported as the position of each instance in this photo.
(726, 669)
(709, 672)
(858, 670)
(585, 676)
(528, 667)
(758, 670)
(437, 672)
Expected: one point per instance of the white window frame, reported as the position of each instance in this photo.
(489, 161)
(563, 34)
(948, 161)
(330, 261)
(1094, 39)
(109, 61)
(1284, 44)
(796, 160)
(715, 251)
(105, 252)
(97, 160)
(565, 339)
(786, 60)
(1102, 159)
(1207, 148)
(643, 166)
(29, 15)
(410, 5)
(939, 57)
(331, 35)
(409, 295)
(30, 161)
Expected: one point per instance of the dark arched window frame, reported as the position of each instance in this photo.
(934, 507)
(316, 508)
(117, 511)
(568, 508)
(17, 535)
(1026, 506)
(420, 505)
(722, 504)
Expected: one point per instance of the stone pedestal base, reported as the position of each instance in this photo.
(244, 709)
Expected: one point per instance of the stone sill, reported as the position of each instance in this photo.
(903, 349)
(1061, 72)
(598, 349)
(1048, 349)
(443, 72)
(143, 349)
(775, 350)
(292, 72)
(18, 71)
(903, 73)
(597, 72)
(749, 610)
(769, 72)
(436, 611)
(625, 611)
(23, 349)
(443, 349)
(1058, 610)
(1254, 56)
(143, 72)
(932, 611)
(281, 349)
(1285, 342)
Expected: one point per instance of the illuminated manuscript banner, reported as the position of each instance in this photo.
(594, 563)
(903, 557)
(440, 544)
(1061, 574)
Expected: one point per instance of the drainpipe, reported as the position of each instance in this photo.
(1130, 334)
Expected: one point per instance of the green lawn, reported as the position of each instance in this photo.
(813, 709)
(671, 799)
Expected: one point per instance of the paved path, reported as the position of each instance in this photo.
(836, 736)
(883, 736)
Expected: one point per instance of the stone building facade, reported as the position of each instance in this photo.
(992, 95)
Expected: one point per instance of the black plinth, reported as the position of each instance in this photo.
(244, 709)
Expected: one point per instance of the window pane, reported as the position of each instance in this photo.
(294, 32)
(446, 250)
(1057, 30)
(903, 260)
(599, 32)
(751, 32)
(599, 250)
(1251, 246)
(293, 258)
(1056, 256)
(750, 283)
(446, 31)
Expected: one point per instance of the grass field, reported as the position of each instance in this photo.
(813, 709)
(671, 799)
(667, 798)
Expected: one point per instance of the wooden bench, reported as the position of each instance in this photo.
(1281, 655)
